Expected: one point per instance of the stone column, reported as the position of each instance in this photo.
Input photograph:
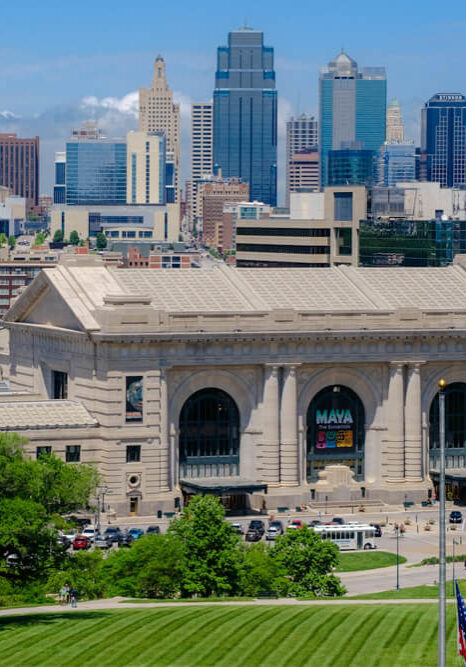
(289, 455)
(167, 452)
(413, 430)
(269, 453)
(395, 454)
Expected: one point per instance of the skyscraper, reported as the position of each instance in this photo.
(301, 141)
(353, 105)
(145, 168)
(158, 113)
(19, 167)
(443, 138)
(395, 129)
(396, 162)
(245, 113)
(201, 139)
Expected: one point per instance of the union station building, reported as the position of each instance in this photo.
(267, 387)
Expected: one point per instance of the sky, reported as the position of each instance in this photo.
(61, 63)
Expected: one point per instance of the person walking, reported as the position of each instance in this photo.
(67, 593)
(62, 596)
(74, 597)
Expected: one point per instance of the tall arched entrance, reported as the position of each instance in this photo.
(335, 431)
(209, 439)
(455, 440)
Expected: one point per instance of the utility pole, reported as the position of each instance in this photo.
(442, 569)
(397, 530)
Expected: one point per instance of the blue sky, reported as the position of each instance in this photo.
(61, 62)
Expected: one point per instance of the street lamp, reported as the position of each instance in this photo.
(442, 569)
(397, 532)
(453, 573)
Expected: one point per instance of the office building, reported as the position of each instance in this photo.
(443, 139)
(351, 166)
(320, 230)
(145, 168)
(328, 386)
(59, 188)
(395, 128)
(352, 104)
(215, 193)
(201, 139)
(12, 214)
(158, 113)
(19, 167)
(95, 171)
(301, 153)
(245, 113)
(232, 212)
(396, 162)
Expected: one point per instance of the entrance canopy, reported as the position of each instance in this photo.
(219, 487)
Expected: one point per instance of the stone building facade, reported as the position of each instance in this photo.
(268, 387)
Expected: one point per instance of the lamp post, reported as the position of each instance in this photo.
(453, 563)
(442, 569)
(397, 532)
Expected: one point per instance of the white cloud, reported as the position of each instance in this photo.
(8, 115)
(127, 105)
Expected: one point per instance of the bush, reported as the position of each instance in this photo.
(82, 571)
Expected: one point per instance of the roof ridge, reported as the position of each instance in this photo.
(246, 290)
(354, 276)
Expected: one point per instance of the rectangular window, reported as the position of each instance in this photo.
(43, 451)
(133, 453)
(134, 398)
(343, 208)
(59, 384)
(73, 453)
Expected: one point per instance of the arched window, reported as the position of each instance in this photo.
(455, 427)
(209, 435)
(335, 431)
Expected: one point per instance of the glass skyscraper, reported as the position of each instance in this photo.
(443, 139)
(245, 113)
(96, 171)
(353, 105)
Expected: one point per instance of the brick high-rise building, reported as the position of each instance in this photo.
(158, 113)
(19, 167)
(214, 194)
(301, 140)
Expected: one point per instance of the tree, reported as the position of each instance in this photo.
(74, 237)
(261, 572)
(3, 239)
(212, 556)
(12, 241)
(58, 236)
(101, 241)
(40, 239)
(308, 561)
(82, 571)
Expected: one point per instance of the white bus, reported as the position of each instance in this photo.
(348, 537)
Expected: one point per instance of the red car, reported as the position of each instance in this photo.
(296, 523)
(81, 542)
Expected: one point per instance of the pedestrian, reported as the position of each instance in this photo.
(74, 597)
(402, 529)
(67, 593)
(62, 596)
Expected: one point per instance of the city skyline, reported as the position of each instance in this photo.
(72, 79)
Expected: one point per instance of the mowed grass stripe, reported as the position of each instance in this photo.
(221, 642)
(310, 622)
(361, 628)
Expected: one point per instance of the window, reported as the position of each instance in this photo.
(59, 384)
(133, 453)
(343, 206)
(73, 453)
(43, 451)
(134, 398)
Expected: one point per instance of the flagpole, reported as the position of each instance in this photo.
(442, 568)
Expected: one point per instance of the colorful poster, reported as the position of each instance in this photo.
(334, 429)
(134, 398)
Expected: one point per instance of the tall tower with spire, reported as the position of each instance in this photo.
(159, 113)
(395, 129)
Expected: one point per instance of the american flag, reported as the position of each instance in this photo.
(461, 624)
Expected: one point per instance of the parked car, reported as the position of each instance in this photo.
(278, 525)
(64, 541)
(81, 542)
(338, 520)
(253, 535)
(153, 530)
(103, 542)
(258, 525)
(378, 529)
(237, 528)
(272, 533)
(70, 534)
(295, 524)
(125, 539)
(315, 522)
(89, 532)
(112, 532)
(12, 560)
(136, 533)
(456, 517)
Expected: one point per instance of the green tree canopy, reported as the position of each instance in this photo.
(58, 236)
(74, 237)
(101, 241)
(40, 239)
(308, 561)
(12, 241)
(3, 239)
(212, 557)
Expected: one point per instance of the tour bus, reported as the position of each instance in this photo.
(349, 537)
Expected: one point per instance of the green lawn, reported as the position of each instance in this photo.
(330, 635)
(351, 561)
(415, 592)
